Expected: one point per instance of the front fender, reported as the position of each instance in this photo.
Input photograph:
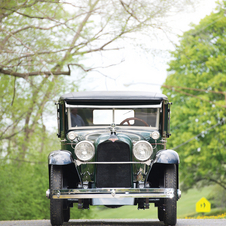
(167, 157)
(60, 157)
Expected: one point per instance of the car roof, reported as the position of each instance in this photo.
(113, 97)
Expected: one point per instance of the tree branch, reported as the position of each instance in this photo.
(34, 73)
(94, 69)
(125, 6)
(15, 123)
(217, 182)
(77, 35)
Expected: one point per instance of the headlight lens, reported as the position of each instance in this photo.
(142, 150)
(84, 150)
(71, 135)
(155, 135)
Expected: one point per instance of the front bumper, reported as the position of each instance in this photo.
(111, 193)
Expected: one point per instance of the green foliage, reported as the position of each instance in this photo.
(217, 197)
(196, 85)
(24, 183)
(23, 192)
(26, 140)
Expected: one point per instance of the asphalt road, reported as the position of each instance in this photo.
(120, 222)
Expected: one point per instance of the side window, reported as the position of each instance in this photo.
(149, 115)
(80, 117)
(76, 118)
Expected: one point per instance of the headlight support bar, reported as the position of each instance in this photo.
(78, 162)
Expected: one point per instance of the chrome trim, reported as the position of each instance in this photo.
(112, 202)
(143, 141)
(78, 162)
(48, 193)
(114, 106)
(113, 193)
(102, 127)
(178, 194)
(82, 142)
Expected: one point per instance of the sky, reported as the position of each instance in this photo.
(145, 68)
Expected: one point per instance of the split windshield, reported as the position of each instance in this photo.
(130, 116)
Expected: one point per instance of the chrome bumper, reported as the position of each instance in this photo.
(111, 193)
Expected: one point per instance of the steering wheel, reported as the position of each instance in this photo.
(133, 118)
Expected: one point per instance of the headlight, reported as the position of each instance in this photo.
(84, 150)
(142, 150)
(71, 135)
(155, 135)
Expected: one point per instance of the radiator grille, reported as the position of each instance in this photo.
(113, 175)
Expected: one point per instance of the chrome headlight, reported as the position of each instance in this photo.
(84, 150)
(71, 135)
(142, 150)
(155, 135)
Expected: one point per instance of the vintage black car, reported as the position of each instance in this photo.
(113, 153)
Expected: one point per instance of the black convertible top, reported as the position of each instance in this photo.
(113, 97)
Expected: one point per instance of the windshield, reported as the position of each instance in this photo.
(101, 116)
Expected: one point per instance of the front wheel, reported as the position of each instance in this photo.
(67, 214)
(170, 179)
(161, 213)
(56, 205)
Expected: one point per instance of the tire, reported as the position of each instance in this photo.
(161, 213)
(170, 179)
(56, 206)
(66, 214)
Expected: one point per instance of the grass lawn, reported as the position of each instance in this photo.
(187, 203)
(186, 207)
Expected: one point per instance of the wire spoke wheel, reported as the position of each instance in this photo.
(56, 205)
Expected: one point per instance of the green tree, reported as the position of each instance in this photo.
(196, 85)
(41, 42)
(50, 37)
(24, 182)
(25, 142)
